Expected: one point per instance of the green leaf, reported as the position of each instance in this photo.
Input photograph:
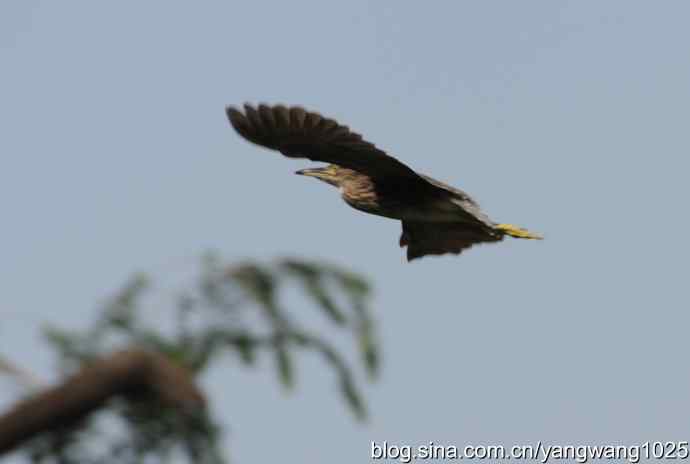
(353, 398)
(285, 367)
(261, 286)
(369, 352)
(312, 279)
(246, 349)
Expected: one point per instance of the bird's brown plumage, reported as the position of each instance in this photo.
(436, 218)
(438, 238)
(298, 133)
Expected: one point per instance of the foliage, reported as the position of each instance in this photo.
(230, 309)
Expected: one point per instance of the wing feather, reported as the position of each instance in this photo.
(312, 120)
(298, 133)
(253, 122)
(267, 118)
(438, 238)
(297, 116)
(282, 117)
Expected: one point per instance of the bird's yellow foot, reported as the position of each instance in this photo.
(517, 232)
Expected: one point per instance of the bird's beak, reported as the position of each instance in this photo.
(323, 174)
(309, 172)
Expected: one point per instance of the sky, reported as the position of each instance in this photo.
(569, 118)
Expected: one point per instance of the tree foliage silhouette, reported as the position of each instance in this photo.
(139, 373)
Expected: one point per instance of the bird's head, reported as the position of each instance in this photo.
(328, 174)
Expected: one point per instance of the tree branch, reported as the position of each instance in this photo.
(130, 374)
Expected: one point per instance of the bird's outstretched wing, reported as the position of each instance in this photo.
(298, 133)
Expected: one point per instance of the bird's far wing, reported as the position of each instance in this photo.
(438, 238)
(298, 133)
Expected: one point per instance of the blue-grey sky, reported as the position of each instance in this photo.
(567, 117)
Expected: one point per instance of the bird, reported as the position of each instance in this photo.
(436, 218)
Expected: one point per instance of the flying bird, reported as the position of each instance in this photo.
(436, 218)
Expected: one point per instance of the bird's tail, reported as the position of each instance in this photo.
(517, 232)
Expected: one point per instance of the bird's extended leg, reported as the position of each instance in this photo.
(517, 232)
